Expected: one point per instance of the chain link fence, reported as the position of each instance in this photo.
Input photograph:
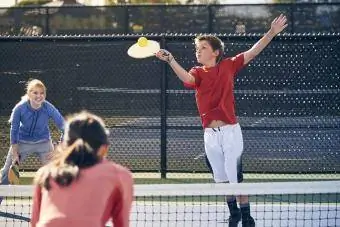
(287, 99)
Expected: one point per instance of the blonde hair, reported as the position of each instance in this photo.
(31, 84)
(34, 83)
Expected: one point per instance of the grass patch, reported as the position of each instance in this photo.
(26, 180)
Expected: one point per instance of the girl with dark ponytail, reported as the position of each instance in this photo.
(79, 187)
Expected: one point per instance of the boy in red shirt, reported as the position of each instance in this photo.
(79, 187)
(214, 85)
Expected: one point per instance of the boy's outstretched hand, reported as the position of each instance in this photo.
(278, 24)
(164, 55)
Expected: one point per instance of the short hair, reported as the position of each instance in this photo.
(215, 43)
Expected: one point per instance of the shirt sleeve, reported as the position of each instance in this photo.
(56, 116)
(121, 212)
(36, 206)
(238, 62)
(194, 72)
(15, 124)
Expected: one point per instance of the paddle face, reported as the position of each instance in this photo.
(13, 174)
(144, 51)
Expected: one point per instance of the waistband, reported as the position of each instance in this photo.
(221, 128)
(34, 142)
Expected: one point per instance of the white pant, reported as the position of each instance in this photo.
(224, 147)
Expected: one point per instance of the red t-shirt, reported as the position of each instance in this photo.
(215, 90)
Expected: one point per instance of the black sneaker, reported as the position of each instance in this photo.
(234, 219)
(248, 222)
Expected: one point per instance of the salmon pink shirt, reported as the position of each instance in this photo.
(101, 192)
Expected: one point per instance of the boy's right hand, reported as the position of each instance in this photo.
(164, 55)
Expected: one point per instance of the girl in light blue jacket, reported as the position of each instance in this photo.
(30, 132)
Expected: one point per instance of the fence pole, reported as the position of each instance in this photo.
(210, 19)
(163, 116)
(47, 26)
(292, 10)
(127, 18)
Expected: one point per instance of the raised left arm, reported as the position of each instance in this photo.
(278, 24)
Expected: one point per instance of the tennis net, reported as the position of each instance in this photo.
(314, 203)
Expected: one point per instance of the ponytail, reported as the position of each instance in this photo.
(65, 166)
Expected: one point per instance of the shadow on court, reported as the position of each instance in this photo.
(14, 216)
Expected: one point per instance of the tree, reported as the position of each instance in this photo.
(115, 2)
(202, 2)
(284, 1)
(32, 2)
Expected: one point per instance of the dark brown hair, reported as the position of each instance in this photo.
(85, 133)
(214, 42)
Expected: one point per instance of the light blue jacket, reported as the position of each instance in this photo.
(28, 124)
